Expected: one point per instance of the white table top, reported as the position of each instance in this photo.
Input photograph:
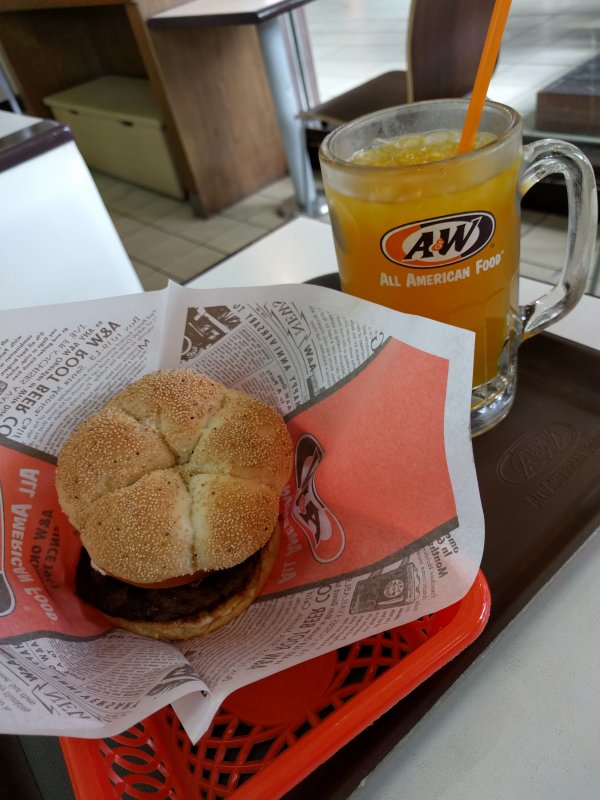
(53, 222)
(523, 721)
(240, 10)
(303, 249)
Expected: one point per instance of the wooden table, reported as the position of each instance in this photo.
(210, 83)
(285, 59)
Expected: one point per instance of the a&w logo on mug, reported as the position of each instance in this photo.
(439, 241)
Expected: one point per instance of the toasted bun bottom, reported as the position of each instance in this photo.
(209, 621)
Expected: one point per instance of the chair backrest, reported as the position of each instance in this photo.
(57, 240)
(445, 39)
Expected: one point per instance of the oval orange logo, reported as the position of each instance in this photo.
(439, 241)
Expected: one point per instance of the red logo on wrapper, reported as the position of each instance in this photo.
(319, 524)
(371, 480)
(40, 551)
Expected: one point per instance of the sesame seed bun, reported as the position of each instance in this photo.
(174, 475)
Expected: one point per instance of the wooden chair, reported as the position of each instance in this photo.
(444, 43)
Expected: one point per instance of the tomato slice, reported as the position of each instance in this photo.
(169, 583)
(178, 580)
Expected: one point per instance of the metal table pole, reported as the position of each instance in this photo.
(283, 87)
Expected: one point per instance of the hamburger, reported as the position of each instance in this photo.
(174, 488)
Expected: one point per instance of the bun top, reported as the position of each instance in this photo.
(175, 474)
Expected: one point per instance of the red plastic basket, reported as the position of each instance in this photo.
(270, 735)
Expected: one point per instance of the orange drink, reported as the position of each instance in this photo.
(452, 256)
(426, 231)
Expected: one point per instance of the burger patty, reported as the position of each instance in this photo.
(119, 599)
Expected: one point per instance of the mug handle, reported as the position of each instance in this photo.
(540, 159)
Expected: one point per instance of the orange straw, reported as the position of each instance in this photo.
(488, 60)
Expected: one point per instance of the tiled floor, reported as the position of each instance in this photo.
(352, 41)
(165, 240)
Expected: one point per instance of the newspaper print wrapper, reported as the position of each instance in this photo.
(381, 518)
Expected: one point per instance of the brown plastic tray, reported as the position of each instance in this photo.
(538, 477)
